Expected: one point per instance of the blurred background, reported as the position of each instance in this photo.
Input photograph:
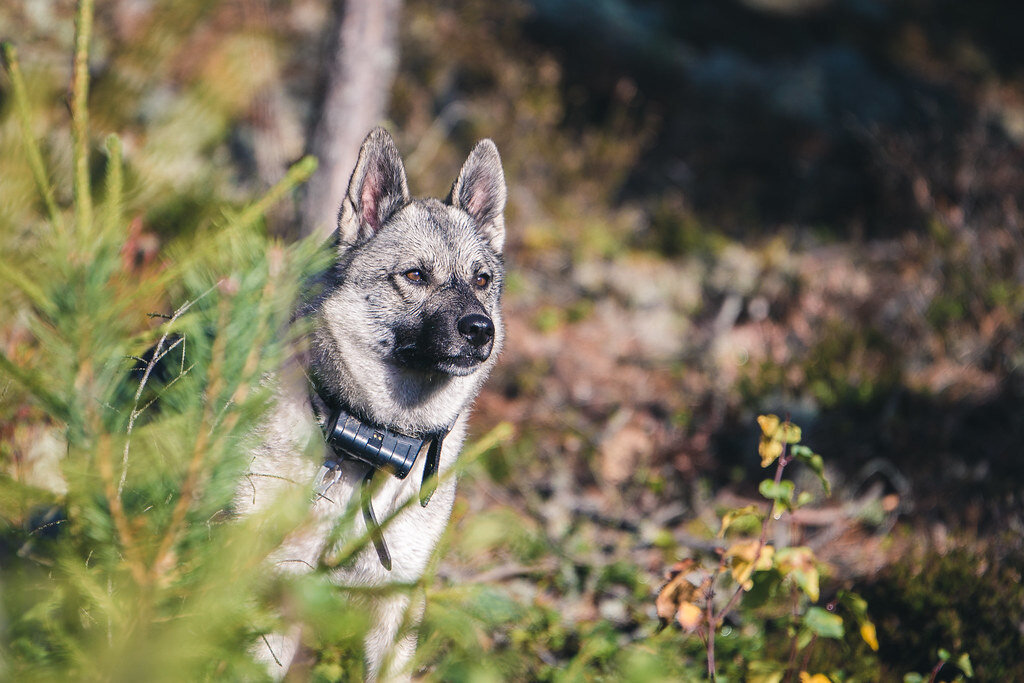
(717, 208)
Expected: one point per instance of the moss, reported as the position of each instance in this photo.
(963, 601)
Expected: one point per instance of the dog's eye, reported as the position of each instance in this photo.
(415, 275)
(482, 280)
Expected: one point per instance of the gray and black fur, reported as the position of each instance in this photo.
(405, 328)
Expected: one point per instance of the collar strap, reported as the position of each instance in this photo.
(381, 449)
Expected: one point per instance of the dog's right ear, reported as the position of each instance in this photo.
(377, 189)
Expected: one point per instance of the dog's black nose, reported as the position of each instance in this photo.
(477, 329)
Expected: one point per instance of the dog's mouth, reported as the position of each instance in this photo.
(457, 365)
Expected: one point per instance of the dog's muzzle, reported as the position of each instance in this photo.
(454, 346)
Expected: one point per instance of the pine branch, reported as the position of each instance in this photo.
(114, 186)
(35, 157)
(80, 117)
(190, 488)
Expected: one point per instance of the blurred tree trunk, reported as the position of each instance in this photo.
(361, 66)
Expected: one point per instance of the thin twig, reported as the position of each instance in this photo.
(47, 526)
(270, 650)
(709, 643)
(807, 652)
(181, 373)
(158, 354)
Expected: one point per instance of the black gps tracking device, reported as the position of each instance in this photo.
(380, 448)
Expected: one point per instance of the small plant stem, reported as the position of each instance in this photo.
(709, 596)
(936, 670)
(163, 555)
(715, 620)
(794, 650)
(807, 652)
(761, 542)
(117, 512)
(80, 116)
(299, 173)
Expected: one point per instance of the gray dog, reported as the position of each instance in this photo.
(405, 327)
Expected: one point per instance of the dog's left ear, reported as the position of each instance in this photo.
(480, 191)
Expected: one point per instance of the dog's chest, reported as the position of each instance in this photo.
(285, 462)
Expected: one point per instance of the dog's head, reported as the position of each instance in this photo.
(418, 283)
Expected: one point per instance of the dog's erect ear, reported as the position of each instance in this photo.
(480, 191)
(377, 189)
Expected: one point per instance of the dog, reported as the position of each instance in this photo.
(402, 330)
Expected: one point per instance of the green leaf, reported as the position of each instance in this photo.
(913, 678)
(804, 498)
(943, 654)
(964, 662)
(780, 493)
(856, 605)
(823, 623)
(749, 512)
(815, 462)
(800, 452)
(765, 585)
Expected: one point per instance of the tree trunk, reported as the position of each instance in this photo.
(358, 85)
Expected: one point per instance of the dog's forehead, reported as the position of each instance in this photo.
(432, 230)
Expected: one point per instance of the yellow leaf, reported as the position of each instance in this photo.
(867, 632)
(789, 433)
(816, 678)
(769, 424)
(769, 449)
(743, 565)
(677, 590)
(689, 616)
(769, 676)
(810, 584)
(799, 562)
(680, 595)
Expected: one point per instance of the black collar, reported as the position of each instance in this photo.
(352, 437)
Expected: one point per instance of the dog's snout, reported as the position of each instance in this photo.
(476, 328)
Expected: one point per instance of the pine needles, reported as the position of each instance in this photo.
(117, 567)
